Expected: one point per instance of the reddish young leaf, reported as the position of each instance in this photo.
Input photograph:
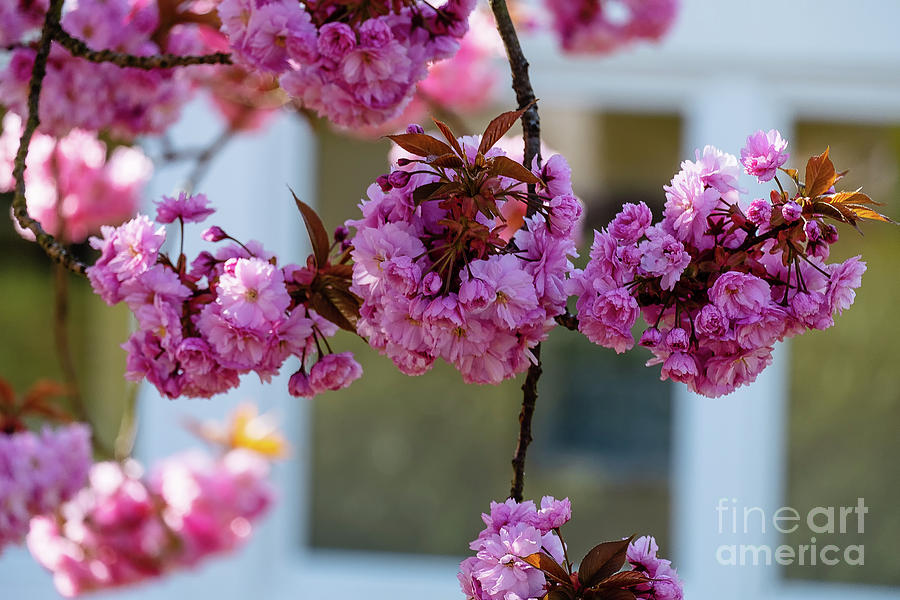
(432, 191)
(497, 128)
(318, 237)
(330, 312)
(7, 395)
(559, 593)
(820, 174)
(448, 134)
(623, 579)
(864, 212)
(855, 197)
(544, 562)
(421, 144)
(602, 561)
(503, 165)
(610, 594)
(42, 391)
(447, 161)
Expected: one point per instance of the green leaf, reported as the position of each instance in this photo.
(318, 236)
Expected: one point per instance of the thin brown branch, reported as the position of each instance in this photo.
(78, 48)
(531, 129)
(521, 82)
(204, 159)
(529, 400)
(51, 247)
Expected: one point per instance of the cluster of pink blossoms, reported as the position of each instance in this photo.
(506, 567)
(718, 280)
(445, 271)
(601, 26)
(127, 102)
(71, 186)
(355, 65)
(230, 312)
(38, 472)
(512, 532)
(122, 529)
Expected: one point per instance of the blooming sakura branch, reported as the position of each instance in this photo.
(229, 312)
(443, 269)
(721, 279)
(521, 555)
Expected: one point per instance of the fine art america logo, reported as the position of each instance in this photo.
(821, 520)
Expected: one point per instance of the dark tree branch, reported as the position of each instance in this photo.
(531, 129)
(529, 399)
(53, 249)
(159, 61)
(521, 82)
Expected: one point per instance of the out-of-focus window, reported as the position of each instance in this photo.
(28, 350)
(842, 435)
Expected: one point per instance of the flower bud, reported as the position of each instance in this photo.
(414, 128)
(399, 179)
(214, 234)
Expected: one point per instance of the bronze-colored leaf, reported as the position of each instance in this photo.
(42, 391)
(433, 191)
(820, 175)
(623, 579)
(855, 197)
(318, 237)
(330, 312)
(448, 134)
(611, 594)
(602, 561)
(7, 395)
(559, 593)
(544, 562)
(421, 144)
(792, 173)
(447, 161)
(503, 165)
(337, 292)
(826, 210)
(864, 212)
(497, 128)
(340, 270)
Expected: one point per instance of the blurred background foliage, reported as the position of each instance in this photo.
(404, 464)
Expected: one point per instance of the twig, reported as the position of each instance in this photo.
(78, 48)
(529, 399)
(204, 159)
(521, 82)
(531, 128)
(47, 242)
